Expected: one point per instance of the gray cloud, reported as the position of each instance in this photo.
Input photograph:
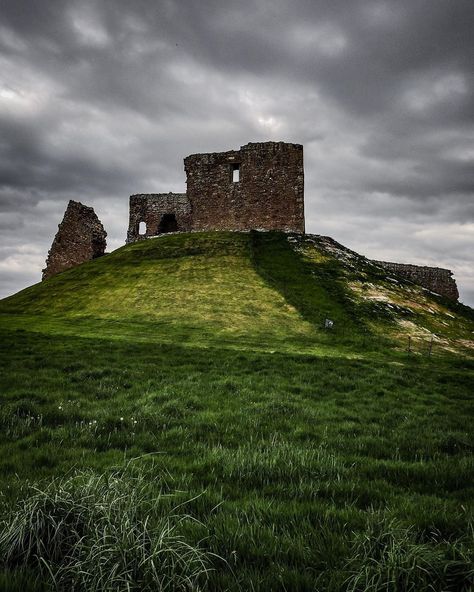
(99, 100)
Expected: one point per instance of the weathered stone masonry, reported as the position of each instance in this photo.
(260, 186)
(80, 238)
(159, 213)
(435, 279)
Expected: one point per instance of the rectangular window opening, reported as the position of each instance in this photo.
(235, 173)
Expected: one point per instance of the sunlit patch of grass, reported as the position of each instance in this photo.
(201, 287)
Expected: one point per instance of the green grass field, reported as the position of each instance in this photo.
(174, 416)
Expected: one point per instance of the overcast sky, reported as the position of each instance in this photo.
(102, 99)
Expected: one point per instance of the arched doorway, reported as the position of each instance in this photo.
(167, 224)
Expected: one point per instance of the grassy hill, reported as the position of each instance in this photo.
(258, 290)
(196, 370)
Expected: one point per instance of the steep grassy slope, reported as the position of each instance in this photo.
(313, 459)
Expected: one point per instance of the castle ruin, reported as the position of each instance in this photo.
(259, 187)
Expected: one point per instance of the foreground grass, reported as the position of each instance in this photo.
(102, 532)
(304, 472)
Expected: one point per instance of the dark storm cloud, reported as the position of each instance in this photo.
(100, 99)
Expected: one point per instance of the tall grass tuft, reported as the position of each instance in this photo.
(390, 557)
(102, 533)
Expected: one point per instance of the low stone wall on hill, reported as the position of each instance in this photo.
(436, 279)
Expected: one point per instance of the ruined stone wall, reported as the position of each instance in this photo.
(435, 279)
(80, 238)
(157, 210)
(268, 195)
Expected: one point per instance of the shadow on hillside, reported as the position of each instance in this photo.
(316, 290)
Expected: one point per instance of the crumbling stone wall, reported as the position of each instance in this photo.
(161, 212)
(260, 186)
(435, 279)
(80, 238)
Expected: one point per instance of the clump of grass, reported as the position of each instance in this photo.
(16, 424)
(390, 557)
(260, 463)
(102, 533)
